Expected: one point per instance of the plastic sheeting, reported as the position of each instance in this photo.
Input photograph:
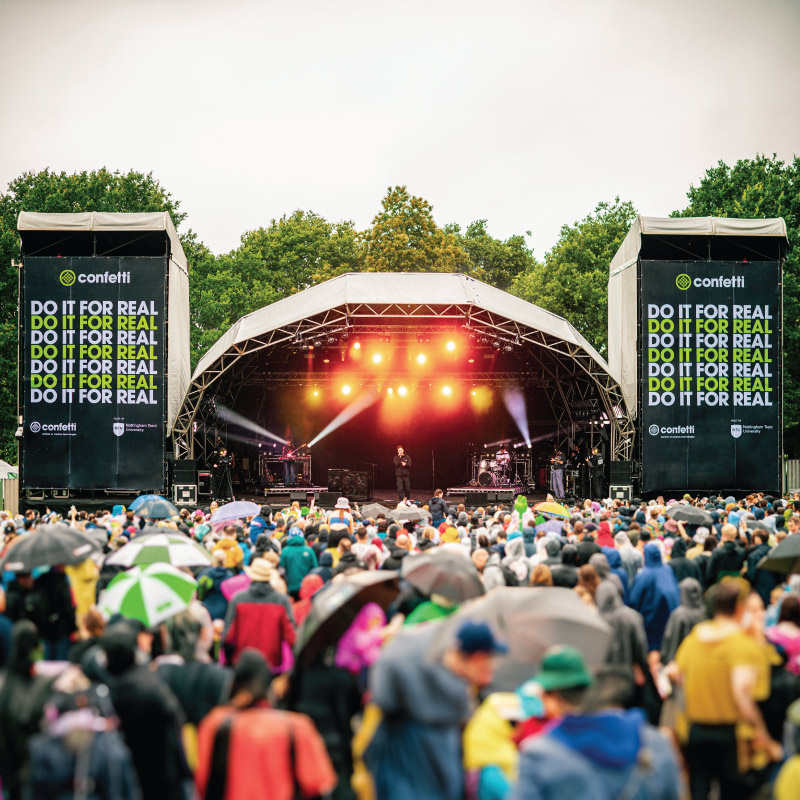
(624, 272)
(178, 358)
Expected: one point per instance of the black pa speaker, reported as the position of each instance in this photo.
(621, 473)
(477, 499)
(328, 498)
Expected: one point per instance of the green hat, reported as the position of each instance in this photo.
(563, 667)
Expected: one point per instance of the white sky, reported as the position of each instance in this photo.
(523, 112)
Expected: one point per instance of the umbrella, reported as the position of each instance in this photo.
(551, 526)
(151, 595)
(783, 558)
(449, 573)
(168, 547)
(691, 515)
(408, 514)
(159, 508)
(758, 525)
(143, 498)
(529, 620)
(47, 546)
(238, 509)
(554, 510)
(373, 509)
(335, 607)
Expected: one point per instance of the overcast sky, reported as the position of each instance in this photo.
(522, 112)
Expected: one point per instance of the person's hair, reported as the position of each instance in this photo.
(588, 578)
(361, 532)
(438, 493)
(483, 541)
(709, 544)
(613, 687)
(345, 544)
(790, 610)
(645, 535)
(574, 695)
(541, 576)
(654, 512)
(93, 622)
(762, 536)
(727, 596)
(399, 446)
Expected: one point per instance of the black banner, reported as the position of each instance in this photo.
(710, 375)
(93, 385)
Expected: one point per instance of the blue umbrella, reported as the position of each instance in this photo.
(157, 509)
(144, 498)
(551, 526)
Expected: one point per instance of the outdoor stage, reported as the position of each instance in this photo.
(449, 367)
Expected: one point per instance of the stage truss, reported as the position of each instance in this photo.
(576, 379)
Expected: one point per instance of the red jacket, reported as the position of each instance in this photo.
(262, 618)
(259, 763)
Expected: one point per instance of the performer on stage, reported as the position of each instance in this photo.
(289, 465)
(402, 471)
(557, 474)
(221, 473)
(597, 468)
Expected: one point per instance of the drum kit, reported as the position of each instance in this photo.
(492, 469)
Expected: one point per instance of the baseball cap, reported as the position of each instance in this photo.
(477, 637)
(563, 667)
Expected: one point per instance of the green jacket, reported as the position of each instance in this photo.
(297, 560)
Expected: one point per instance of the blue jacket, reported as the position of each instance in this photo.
(596, 757)
(209, 582)
(655, 595)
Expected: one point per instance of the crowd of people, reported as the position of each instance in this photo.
(256, 689)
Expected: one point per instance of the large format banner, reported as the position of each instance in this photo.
(94, 373)
(710, 375)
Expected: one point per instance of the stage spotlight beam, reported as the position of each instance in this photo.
(237, 419)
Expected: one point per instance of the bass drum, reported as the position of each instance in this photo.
(485, 478)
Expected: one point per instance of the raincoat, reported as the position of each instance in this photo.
(655, 595)
(683, 618)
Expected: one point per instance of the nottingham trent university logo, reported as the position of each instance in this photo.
(119, 428)
(736, 431)
(683, 281)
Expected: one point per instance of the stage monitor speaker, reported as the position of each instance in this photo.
(34, 494)
(300, 496)
(349, 483)
(478, 499)
(504, 495)
(184, 494)
(327, 498)
(621, 491)
(60, 494)
(621, 472)
(204, 483)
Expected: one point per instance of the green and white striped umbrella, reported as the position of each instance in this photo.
(161, 548)
(151, 595)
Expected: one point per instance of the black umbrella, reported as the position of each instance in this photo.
(157, 509)
(783, 558)
(408, 514)
(691, 515)
(449, 573)
(47, 546)
(336, 605)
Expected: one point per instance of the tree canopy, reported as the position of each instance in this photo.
(573, 281)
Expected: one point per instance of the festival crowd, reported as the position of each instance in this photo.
(604, 649)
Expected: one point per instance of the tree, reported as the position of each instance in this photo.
(289, 255)
(47, 191)
(757, 188)
(405, 238)
(494, 261)
(573, 281)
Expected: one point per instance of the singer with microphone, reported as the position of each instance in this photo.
(402, 471)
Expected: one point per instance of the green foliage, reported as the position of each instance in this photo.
(757, 188)
(48, 191)
(573, 281)
(405, 238)
(494, 261)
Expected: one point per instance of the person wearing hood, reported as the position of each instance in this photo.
(22, 700)
(325, 568)
(297, 560)
(727, 559)
(397, 553)
(209, 584)
(348, 559)
(628, 645)
(529, 537)
(234, 555)
(600, 562)
(566, 573)
(632, 560)
(596, 749)
(682, 566)
(615, 565)
(552, 549)
(683, 618)
(308, 588)
(604, 537)
(149, 715)
(655, 595)
(763, 581)
(516, 560)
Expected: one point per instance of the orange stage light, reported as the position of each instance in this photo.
(451, 345)
(421, 358)
(356, 345)
(390, 390)
(402, 391)
(377, 358)
(447, 391)
(346, 389)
